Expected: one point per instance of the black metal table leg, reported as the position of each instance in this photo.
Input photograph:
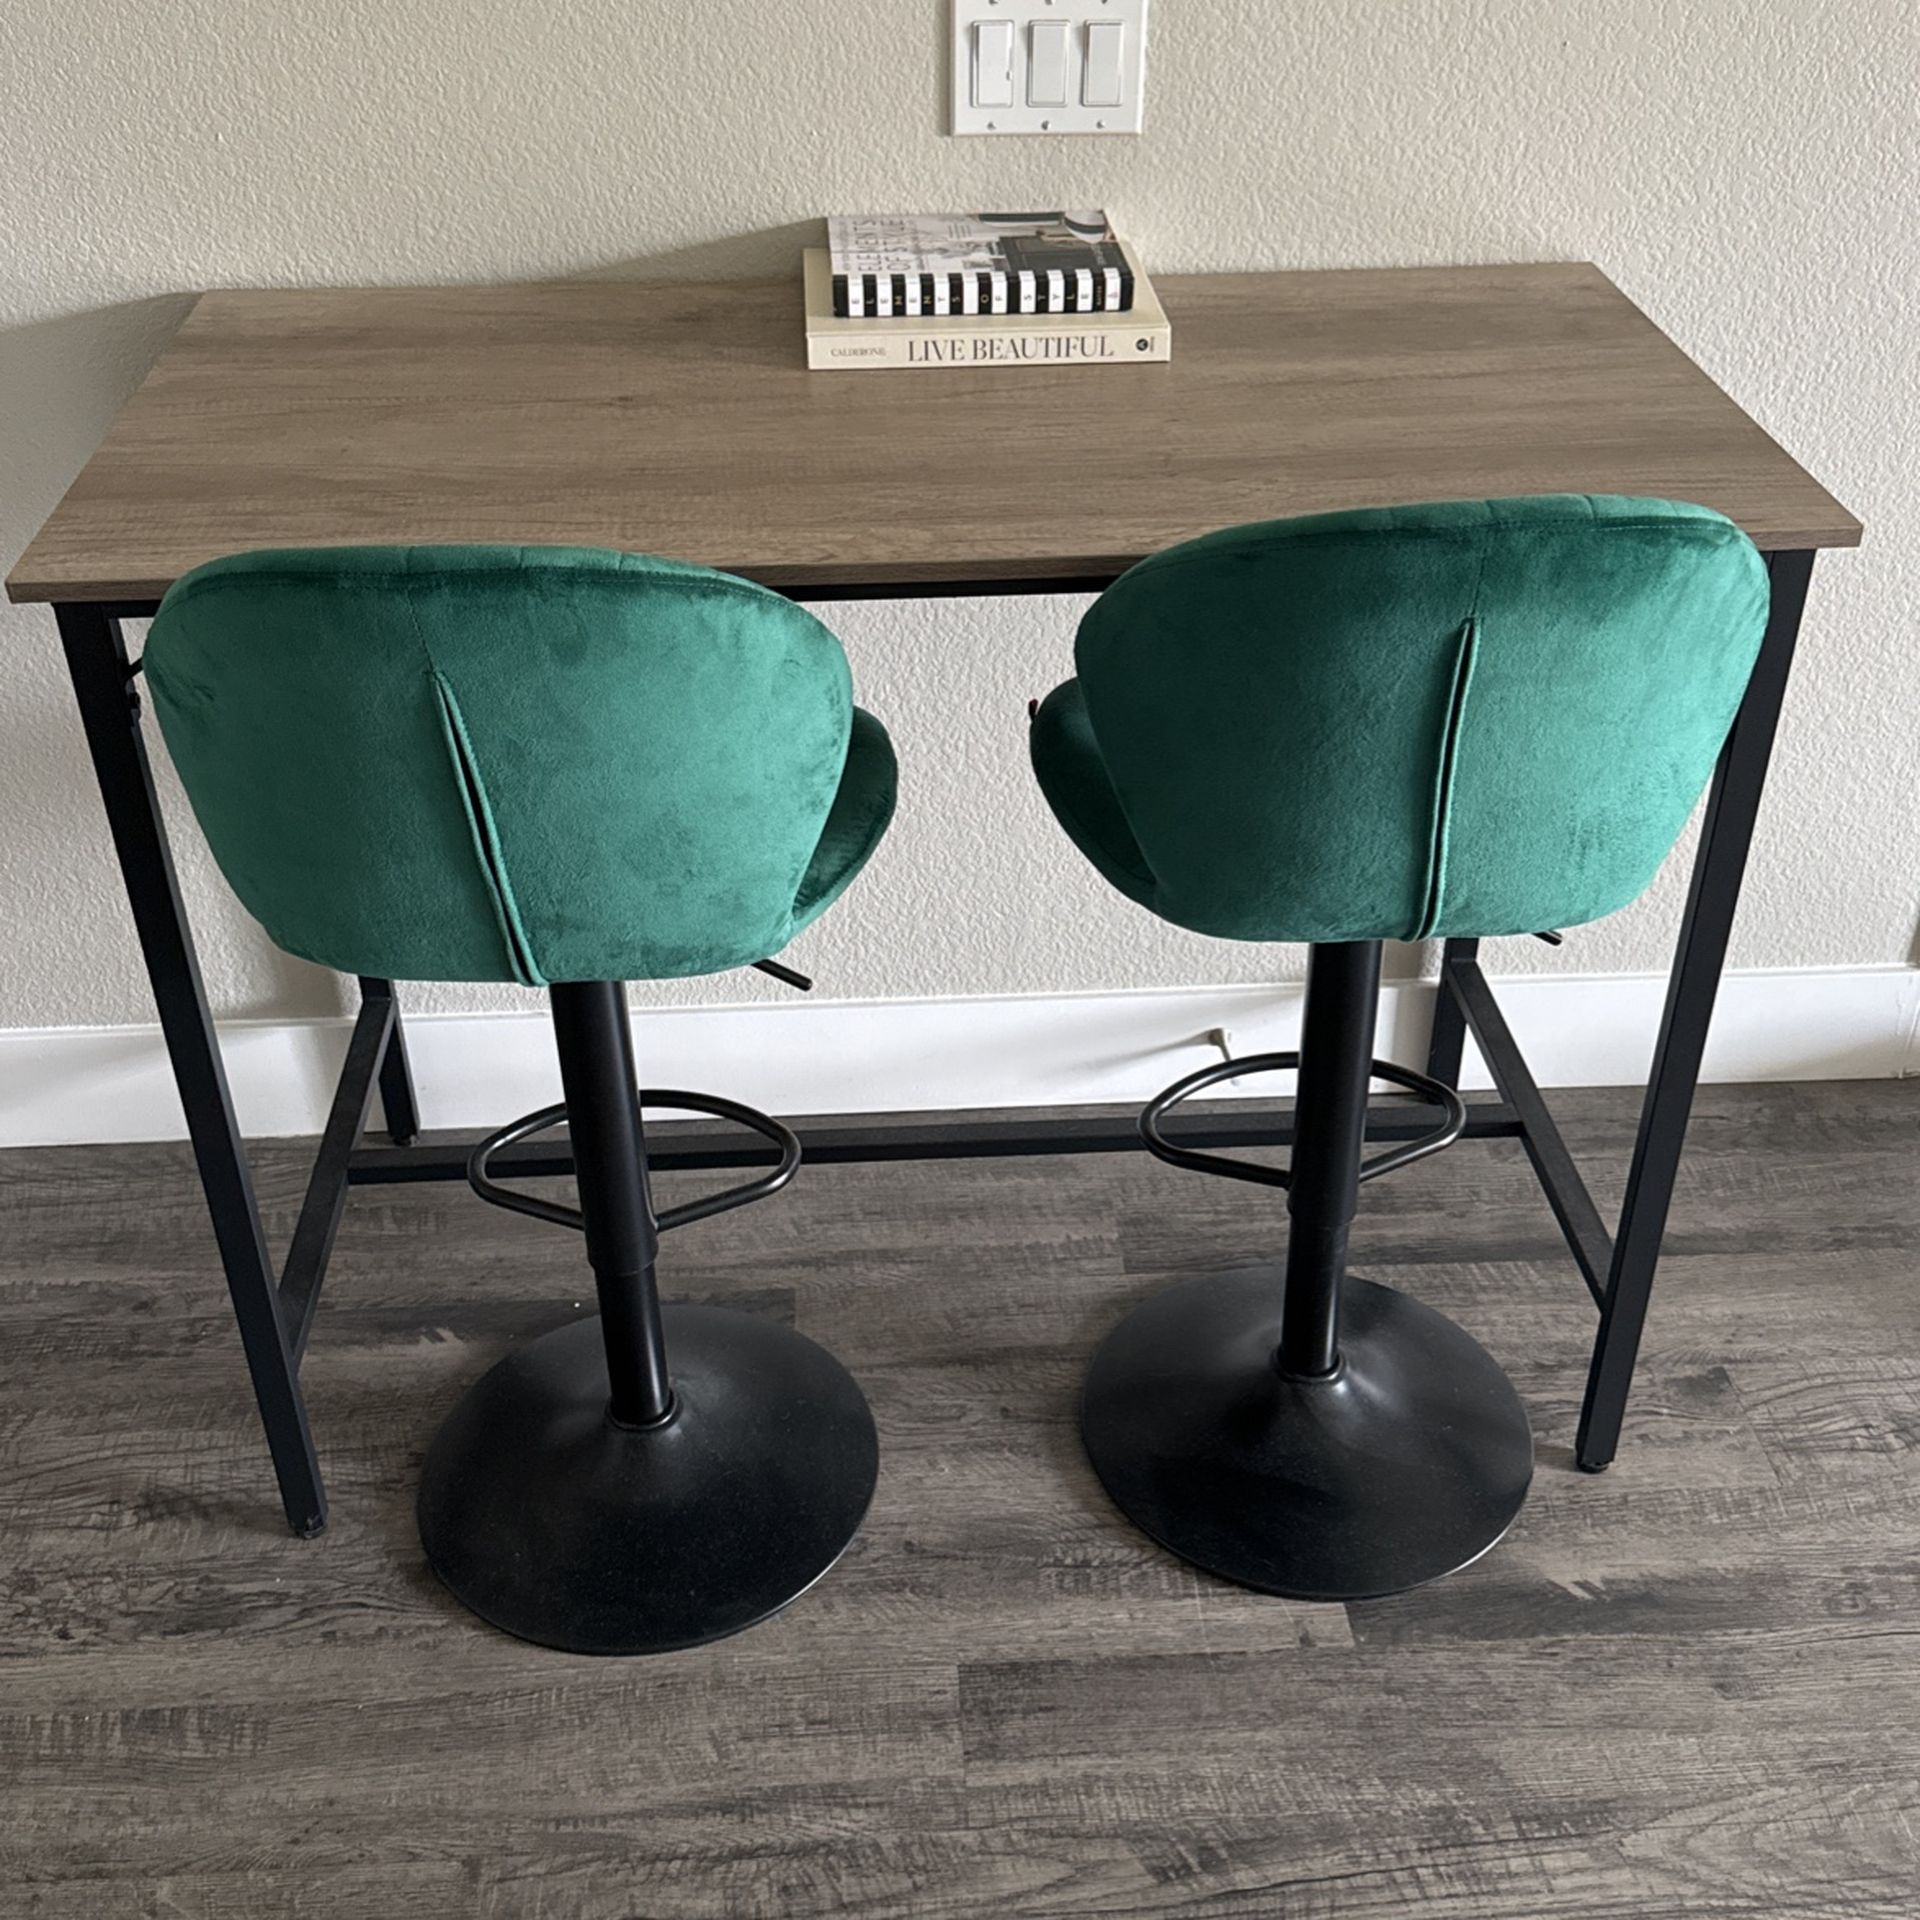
(1725, 835)
(109, 711)
(1448, 1042)
(397, 1098)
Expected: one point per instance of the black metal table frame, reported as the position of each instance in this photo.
(275, 1311)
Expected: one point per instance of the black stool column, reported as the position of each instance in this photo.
(610, 1163)
(1336, 1049)
(646, 1478)
(1306, 1432)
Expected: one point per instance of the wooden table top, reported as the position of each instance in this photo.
(681, 420)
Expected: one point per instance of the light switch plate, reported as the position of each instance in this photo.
(1077, 16)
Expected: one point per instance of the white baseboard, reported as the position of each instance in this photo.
(80, 1085)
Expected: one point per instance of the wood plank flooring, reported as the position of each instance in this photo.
(1690, 1686)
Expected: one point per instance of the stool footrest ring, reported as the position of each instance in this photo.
(1156, 1111)
(481, 1180)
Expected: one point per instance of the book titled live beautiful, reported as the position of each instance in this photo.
(963, 310)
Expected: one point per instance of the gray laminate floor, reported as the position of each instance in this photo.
(1691, 1686)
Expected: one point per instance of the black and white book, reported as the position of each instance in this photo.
(957, 338)
(921, 265)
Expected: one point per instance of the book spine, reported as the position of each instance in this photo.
(887, 296)
(1092, 346)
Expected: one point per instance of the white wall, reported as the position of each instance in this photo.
(1749, 170)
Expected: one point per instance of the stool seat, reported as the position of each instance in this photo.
(1079, 789)
(528, 764)
(1467, 718)
(862, 807)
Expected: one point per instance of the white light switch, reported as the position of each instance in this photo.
(1047, 64)
(1106, 48)
(993, 63)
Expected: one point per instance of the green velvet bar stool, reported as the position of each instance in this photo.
(569, 769)
(1463, 719)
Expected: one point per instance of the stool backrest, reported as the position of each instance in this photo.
(1473, 717)
(503, 763)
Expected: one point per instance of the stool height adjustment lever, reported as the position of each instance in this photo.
(787, 976)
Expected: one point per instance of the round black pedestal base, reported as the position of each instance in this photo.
(559, 1527)
(1408, 1463)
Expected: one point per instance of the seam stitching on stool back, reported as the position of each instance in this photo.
(1434, 893)
(486, 840)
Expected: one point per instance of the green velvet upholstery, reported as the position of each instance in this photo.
(516, 763)
(1474, 717)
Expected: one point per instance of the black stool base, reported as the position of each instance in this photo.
(561, 1528)
(1407, 1464)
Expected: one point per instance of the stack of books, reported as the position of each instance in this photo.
(979, 290)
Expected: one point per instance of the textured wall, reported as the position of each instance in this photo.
(1747, 169)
